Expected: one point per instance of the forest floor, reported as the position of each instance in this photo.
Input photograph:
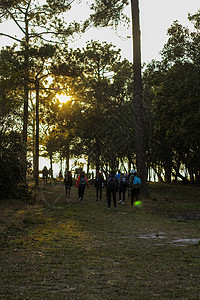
(57, 250)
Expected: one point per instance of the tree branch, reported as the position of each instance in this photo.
(13, 18)
(11, 37)
(43, 39)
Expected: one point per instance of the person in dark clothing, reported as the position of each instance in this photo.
(45, 173)
(128, 177)
(99, 182)
(122, 187)
(112, 186)
(68, 183)
(81, 184)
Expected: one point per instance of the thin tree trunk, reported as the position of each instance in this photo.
(88, 166)
(168, 170)
(138, 101)
(51, 166)
(129, 163)
(34, 147)
(67, 156)
(26, 98)
(97, 157)
(37, 136)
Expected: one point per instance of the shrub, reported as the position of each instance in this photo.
(11, 164)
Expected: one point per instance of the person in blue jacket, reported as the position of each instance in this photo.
(134, 186)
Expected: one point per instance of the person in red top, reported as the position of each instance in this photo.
(81, 184)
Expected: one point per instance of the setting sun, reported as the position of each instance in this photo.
(63, 98)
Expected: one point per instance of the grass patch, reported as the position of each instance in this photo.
(60, 250)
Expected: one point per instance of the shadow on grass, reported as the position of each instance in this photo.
(84, 251)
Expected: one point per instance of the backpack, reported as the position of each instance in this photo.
(135, 182)
(112, 183)
(82, 181)
(99, 181)
(123, 181)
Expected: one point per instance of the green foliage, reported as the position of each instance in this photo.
(172, 86)
(108, 12)
(44, 20)
(105, 88)
(176, 47)
(5, 4)
(11, 95)
(195, 19)
(38, 22)
(100, 85)
(11, 165)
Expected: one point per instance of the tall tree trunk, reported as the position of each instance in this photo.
(191, 172)
(138, 101)
(88, 166)
(26, 98)
(51, 166)
(97, 157)
(34, 147)
(67, 156)
(129, 162)
(168, 171)
(37, 88)
(159, 173)
(113, 165)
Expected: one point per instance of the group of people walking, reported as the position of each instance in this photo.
(115, 184)
(120, 183)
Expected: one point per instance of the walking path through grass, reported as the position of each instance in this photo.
(59, 250)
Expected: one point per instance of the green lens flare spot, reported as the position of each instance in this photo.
(138, 203)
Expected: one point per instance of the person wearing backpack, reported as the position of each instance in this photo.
(99, 182)
(81, 184)
(112, 187)
(68, 183)
(122, 187)
(134, 186)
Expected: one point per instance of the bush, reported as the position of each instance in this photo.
(12, 166)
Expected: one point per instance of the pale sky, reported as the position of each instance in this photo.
(156, 16)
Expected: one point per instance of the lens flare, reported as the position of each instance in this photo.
(138, 204)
